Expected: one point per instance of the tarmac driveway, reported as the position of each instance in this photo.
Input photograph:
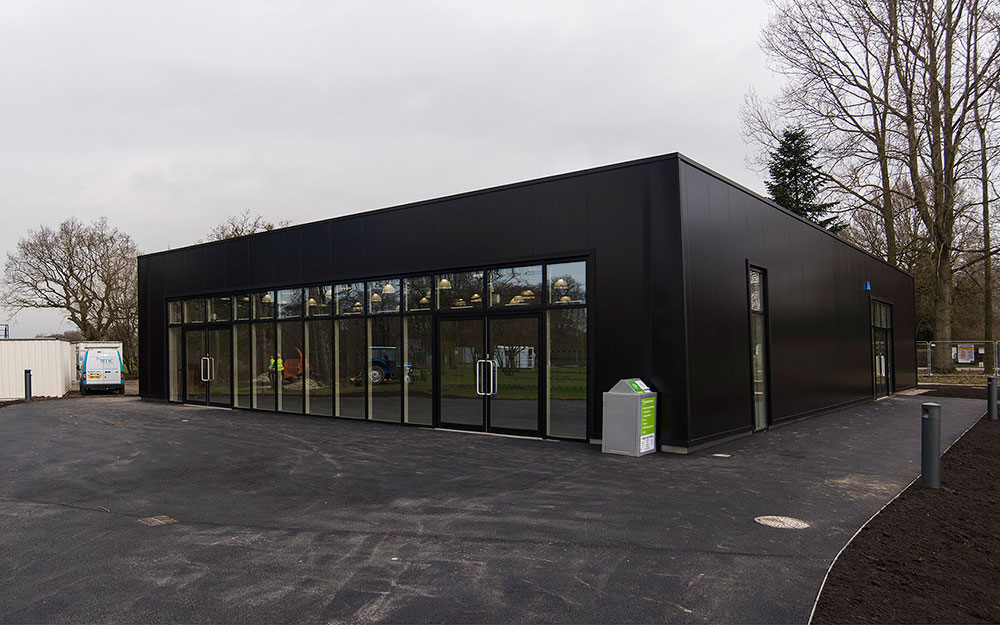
(283, 519)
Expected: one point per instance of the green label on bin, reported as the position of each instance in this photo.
(648, 412)
(635, 386)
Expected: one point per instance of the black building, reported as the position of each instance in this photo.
(512, 309)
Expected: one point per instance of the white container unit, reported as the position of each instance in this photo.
(50, 361)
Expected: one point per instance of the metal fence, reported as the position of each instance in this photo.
(956, 358)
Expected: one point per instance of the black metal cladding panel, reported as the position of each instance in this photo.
(559, 224)
(461, 231)
(288, 255)
(418, 242)
(174, 272)
(142, 294)
(316, 251)
(509, 224)
(820, 340)
(382, 242)
(348, 247)
(194, 269)
(669, 360)
(615, 205)
(238, 263)
(152, 350)
(157, 322)
(262, 259)
(215, 268)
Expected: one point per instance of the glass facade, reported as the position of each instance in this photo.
(566, 373)
(349, 368)
(319, 368)
(292, 365)
(505, 348)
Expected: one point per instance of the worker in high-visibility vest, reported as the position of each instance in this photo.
(275, 366)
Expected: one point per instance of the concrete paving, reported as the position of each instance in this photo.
(304, 519)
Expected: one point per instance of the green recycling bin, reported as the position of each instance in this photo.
(629, 419)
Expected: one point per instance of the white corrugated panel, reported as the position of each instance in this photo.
(50, 361)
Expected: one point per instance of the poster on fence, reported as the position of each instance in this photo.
(966, 354)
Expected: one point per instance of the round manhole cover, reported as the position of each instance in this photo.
(782, 522)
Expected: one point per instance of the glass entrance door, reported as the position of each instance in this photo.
(460, 369)
(220, 350)
(880, 349)
(488, 374)
(195, 367)
(513, 403)
(208, 366)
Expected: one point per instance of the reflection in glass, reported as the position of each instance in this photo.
(319, 301)
(220, 369)
(350, 298)
(419, 293)
(243, 307)
(349, 368)
(516, 286)
(568, 283)
(263, 305)
(265, 366)
(175, 362)
(194, 311)
(418, 383)
(196, 388)
(461, 347)
(319, 368)
(174, 312)
(514, 352)
(566, 376)
(759, 357)
(291, 366)
(456, 291)
(383, 296)
(220, 308)
(290, 303)
(756, 292)
(243, 359)
(384, 369)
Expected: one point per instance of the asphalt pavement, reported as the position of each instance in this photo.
(277, 518)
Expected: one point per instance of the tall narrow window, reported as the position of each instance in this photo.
(882, 348)
(759, 361)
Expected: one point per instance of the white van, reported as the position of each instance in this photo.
(101, 369)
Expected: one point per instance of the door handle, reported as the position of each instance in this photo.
(493, 377)
(479, 380)
(204, 368)
(211, 369)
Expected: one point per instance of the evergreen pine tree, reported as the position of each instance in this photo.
(794, 180)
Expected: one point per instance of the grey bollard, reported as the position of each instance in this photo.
(27, 384)
(991, 396)
(930, 452)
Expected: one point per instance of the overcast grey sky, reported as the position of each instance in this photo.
(166, 117)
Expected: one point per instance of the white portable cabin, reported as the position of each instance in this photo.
(50, 361)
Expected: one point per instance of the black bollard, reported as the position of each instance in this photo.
(991, 396)
(27, 384)
(930, 452)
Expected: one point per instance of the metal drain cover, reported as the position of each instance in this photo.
(782, 522)
(158, 520)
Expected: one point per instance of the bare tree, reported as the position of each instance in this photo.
(894, 88)
(839, 83)
(242, 225)
(88, 271)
